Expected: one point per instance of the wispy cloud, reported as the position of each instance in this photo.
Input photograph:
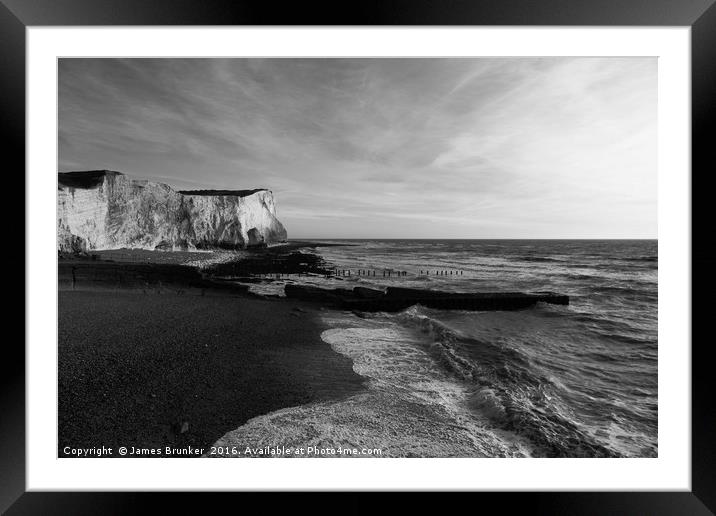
(510, 147)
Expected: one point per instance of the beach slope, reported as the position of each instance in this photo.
(154, 370)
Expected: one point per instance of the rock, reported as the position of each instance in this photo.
(104, 209)
(309, 293)
(69, 243)
(396, 299)
(415, 293)
(367, 293)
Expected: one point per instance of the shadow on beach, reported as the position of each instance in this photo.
(155, 367)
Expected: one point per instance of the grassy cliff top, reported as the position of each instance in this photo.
(93, 178)
(84, 178)
(237, 193)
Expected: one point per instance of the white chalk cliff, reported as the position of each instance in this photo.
(103, 209)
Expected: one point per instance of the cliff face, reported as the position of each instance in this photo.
(109, 210)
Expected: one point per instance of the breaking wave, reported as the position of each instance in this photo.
(505, 387)
(410, 407)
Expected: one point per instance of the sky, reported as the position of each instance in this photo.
(384, 148)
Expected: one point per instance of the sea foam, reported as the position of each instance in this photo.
(410, 407)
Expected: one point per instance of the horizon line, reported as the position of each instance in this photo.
(479, 238)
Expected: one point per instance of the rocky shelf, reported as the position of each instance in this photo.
(88, 274)
(394, 299)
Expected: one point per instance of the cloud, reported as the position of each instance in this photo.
(511, 147)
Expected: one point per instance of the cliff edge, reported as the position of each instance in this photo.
(104, 209)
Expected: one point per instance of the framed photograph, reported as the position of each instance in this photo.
(456, 242)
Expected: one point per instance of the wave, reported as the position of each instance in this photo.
(409, 408)
(634, 287)
(507, 389)
(641, 259)
(448, 395)
(540, 259)
(580, 275)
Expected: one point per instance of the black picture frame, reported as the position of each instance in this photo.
(700, 15)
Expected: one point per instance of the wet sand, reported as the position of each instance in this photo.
(154, 370)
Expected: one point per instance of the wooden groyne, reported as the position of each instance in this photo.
(393, 273)
(147, 277)
(394, 299)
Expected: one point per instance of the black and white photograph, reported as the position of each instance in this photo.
(357, 257)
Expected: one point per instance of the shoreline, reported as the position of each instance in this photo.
(416, 410)
(287, 350)
(148, 359)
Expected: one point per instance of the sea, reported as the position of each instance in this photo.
(548, 381)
